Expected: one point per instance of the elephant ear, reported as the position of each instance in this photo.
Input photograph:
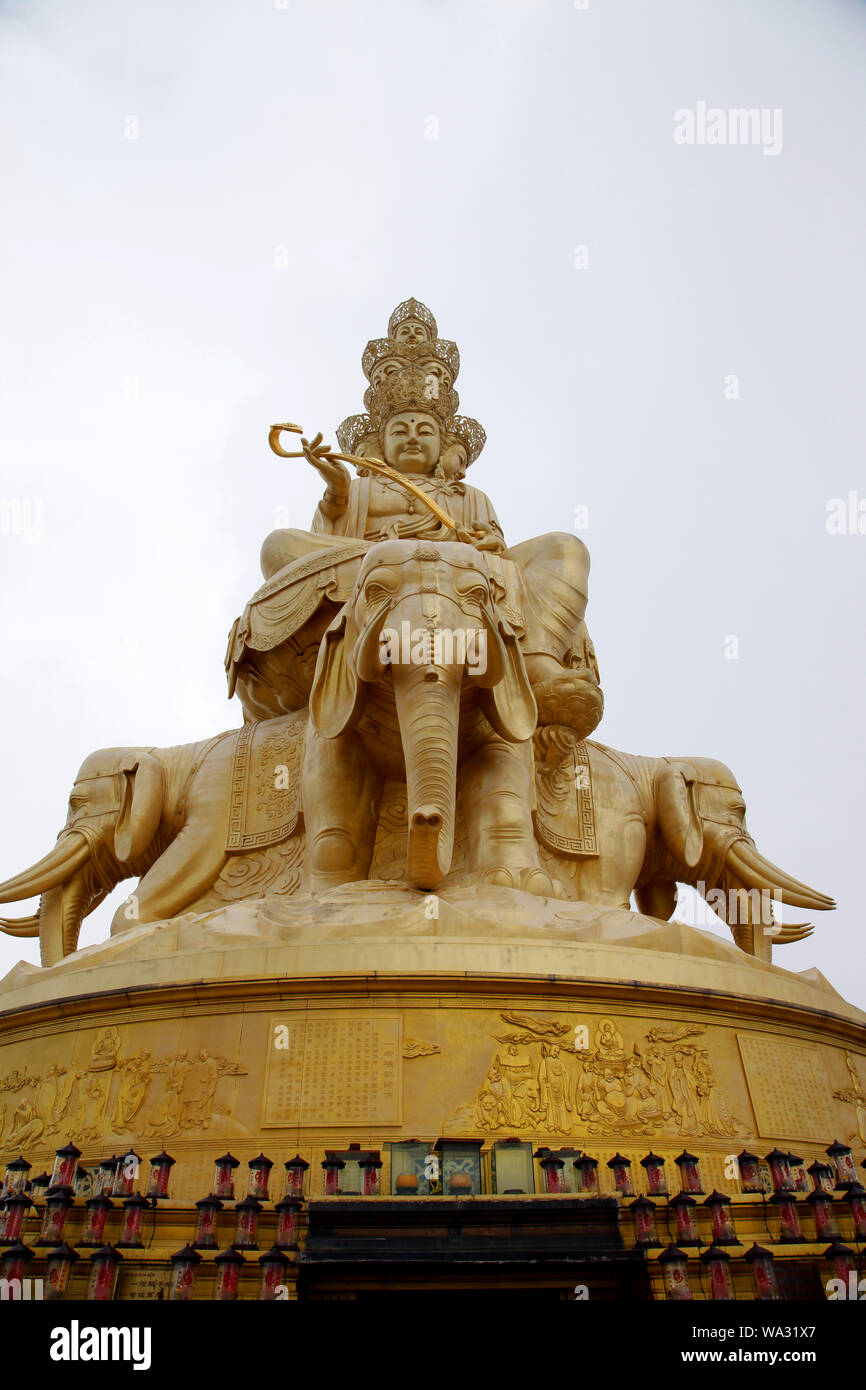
(140, 807)
(335, 698)
(676, 803)
(509, 703)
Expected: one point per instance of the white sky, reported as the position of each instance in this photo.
(148, 338)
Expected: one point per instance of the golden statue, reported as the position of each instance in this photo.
(402, 641)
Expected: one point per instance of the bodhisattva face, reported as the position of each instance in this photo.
(412, 331)
(413, 441)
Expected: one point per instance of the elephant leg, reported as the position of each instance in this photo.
(497, 794)
(187, 869)
(339, 791)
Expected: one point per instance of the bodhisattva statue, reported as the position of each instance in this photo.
(401, 641)
(539, 586)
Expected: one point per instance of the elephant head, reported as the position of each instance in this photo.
(421, 629)
(115, 809)
(701, 817)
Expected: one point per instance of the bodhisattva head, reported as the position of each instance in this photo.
(412, 331)
(412, 441)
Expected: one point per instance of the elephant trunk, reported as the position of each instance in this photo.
(428, 710)
(61, 913)
(751, 868)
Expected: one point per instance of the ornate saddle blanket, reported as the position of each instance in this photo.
(564, 815)
(265, 792)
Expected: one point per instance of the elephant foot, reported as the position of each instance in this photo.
(530, 879)
(565, 696)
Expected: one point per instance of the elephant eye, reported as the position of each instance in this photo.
(375, 593)
(381, 584)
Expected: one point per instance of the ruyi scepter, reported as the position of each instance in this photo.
(323, 451)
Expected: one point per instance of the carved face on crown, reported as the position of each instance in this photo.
(412, 440)
(412, 331)
(384, 369)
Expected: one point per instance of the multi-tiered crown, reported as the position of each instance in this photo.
(412, 369)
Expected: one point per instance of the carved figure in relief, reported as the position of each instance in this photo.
(554, 1087)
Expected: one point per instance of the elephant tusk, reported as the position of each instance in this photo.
(68, 855)
(20, 926)
(791, 931)
(757, 872)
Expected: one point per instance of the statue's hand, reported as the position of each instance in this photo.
(488, 540)
(335, 473)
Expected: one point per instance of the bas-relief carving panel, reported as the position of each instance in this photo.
(150, 1080)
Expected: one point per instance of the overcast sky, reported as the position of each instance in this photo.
(209, 209)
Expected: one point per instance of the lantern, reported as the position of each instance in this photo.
(15, 1180)
(134, 1208)
(39, 1186)
(551, 1167)
(684, 1211)
(721, 1285)
(723, 1222)
(822, 1175)
(798, 1173)
(59, 1262)
(370, 1166)
(790, 1231)
(57, 1203)
(826, 1225)
(103, 1263)
(160, 1169)
(260, 1173)
(763, 1272)
(205, 1236)
(274, 1265)
(83, 1184)
(780, 1171)
(105, 1175)
(332, 1167)
(654, 1167)
(224, 1177)
(844, 1265)
(15, 1261)
(183, 1266)
(674, 1265)
(645, 1222)
(126, 1174)
(586, 1169)
(750, 1172)
(12, 1217)
(690, 1176)
(288, 1214)
(228, 1265)
(621, 1169)
(856, 1199)
(65, 1163)
(846, 1173)
(97, 1209)
(248, 1211)
(295, 1170)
